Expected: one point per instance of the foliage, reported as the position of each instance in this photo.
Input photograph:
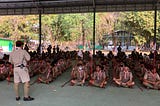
(71, 27)
(141, 24)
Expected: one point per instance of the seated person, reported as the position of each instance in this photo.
(117, 69)
(98, 78)
(140, 71)
(78, 75)
(125, 78)
(151, 79)
(3, 72)
(106, 70)
(46, 74)
(87, 66)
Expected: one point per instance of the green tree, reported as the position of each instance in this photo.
(141, 24)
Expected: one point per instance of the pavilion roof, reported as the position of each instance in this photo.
(20, 7)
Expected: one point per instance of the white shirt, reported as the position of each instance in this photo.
(19, 56)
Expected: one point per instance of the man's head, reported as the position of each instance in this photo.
(19, 43)
(126, 69)
(154, 70)
(80, 63)
(98, 67)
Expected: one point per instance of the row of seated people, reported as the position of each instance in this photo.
(122, 76)
(100, 76)
(43, 68)
(148, 75)
(48, 72)
(39, 64)
(82, 72)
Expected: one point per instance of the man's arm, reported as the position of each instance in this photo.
(131, 77)
(73, 73)
(120, 76)
(158, 78)
(27, 55)
(104, 76)
(10, 59)
(84, 78)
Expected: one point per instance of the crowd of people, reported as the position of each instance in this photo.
(121, 69)
(91, 70)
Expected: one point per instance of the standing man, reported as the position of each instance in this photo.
(19, 58)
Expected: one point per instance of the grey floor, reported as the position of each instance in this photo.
(54, 95)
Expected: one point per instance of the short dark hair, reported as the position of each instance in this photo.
(19, 43)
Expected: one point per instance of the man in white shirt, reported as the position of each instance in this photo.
(19, 58)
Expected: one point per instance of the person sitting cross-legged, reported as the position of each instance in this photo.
(151, 79)
(78, 75)
(98, 78)
(46, 75)
(125, 78)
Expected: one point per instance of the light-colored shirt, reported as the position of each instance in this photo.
(19, 56)
(125, 76)
(151, 76)
(99, 76)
